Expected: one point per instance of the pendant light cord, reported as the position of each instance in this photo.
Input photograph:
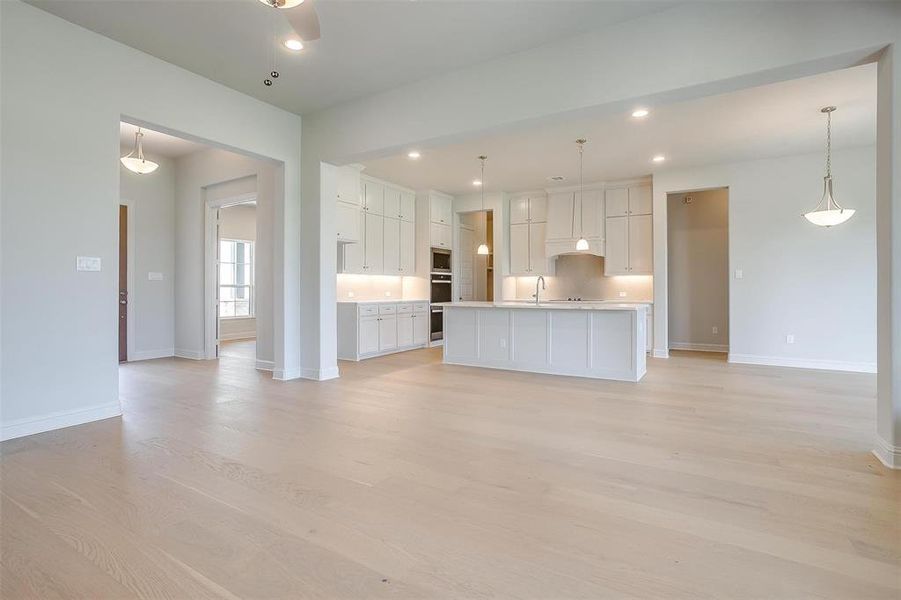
(829, 144)
(581, 201)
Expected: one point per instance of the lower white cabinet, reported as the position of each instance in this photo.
(367, 329)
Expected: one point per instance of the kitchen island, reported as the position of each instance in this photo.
(598, 340)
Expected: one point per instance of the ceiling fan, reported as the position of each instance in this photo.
(301, 16)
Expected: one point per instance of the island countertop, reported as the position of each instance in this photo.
(562, 305)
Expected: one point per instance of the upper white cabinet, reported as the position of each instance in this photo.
(528, 208)
(571, 214)
(528, 232)
(373, 196)
(407, 206)
(440, 235)
(373, 244)
(441, 209)
(347, 222)
(399, 247)
(348, 185)
(629, 231)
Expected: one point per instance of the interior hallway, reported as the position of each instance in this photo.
(410, 478)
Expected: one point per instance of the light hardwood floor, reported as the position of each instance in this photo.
(407, 478)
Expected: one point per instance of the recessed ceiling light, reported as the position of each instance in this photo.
(659, 158)
(282, 3)
(476, 182)
(293, 44)
(640, 113)
(414, 154)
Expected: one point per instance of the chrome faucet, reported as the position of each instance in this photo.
(537, 293)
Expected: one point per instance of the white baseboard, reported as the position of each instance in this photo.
(192, 354)
(286, 374)
(238, 335)
(58, 420)
(887, 454)
(320, 374)
(151, 354)
(698, 347)
(660, 353)
(803, 363)
(265, 365)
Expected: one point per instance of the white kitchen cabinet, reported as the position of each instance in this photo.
(527, 249)
(404, 330)
(407, 248)
(441, 209)
(368, 329)
(373, 249)
(421, 328)
(641, 245)
(630, 245)
(570, 214)
(391, 246)
(560, 215)
(369, 335)
(392, 202)
(616, 257)
(631, 200)
(347, 221)
(387, 333)
(440, 235)
(373, 195)
(528, 208)
(408, 206)
(348, 185)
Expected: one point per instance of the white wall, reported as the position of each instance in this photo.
(239, 222)
(698, 270)
(815, 283)
(151, 214)
(64, 90)
(208, 176)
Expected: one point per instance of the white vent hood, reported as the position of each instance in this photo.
(555, 248)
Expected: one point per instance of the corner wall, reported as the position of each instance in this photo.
(818, 284)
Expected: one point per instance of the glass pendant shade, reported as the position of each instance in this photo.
(582, 244)
(483, 249)
(135, 160)
(828, 212)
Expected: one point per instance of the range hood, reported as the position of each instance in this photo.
(566, 247)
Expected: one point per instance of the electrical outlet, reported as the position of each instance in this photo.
(790, 339)
(503, 343)
(739, 274)
(387, 294)
(622, 294)
(350, 294)
(716, 330)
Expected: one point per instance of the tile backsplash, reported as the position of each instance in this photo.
(582, 276)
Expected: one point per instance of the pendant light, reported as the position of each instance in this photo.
(828, 212)
(483, 247)
(135, 160)
(582, 244)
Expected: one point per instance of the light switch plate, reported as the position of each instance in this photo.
(87, 263)
(739, 274)
(790, 339)
(154, 276)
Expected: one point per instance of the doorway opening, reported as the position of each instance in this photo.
(236, 279)
(475, 271)
(698, 270)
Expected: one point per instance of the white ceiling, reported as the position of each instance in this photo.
(367, 46)
(156, 143)
(773, 120)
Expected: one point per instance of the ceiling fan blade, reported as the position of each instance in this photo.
(304, 20)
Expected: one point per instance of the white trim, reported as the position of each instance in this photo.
(191, 354)
(151, 354)
(698, 347)
(887, 454)
(319, 374)
(265, 365)
(238, 335)
(58, 420)
(660, 353)
(803, 363)
(285, 374)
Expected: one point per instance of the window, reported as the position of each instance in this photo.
(235, 279)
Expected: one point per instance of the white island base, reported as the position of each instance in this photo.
(601, 341)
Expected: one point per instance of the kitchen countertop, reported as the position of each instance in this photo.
(606, 305)
(385, 301)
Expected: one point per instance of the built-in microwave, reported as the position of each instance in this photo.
(441, 261)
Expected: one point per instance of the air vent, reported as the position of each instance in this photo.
(556, 178)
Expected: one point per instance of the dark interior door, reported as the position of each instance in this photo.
(123, 283)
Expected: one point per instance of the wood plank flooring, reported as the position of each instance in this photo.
(407, 478)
